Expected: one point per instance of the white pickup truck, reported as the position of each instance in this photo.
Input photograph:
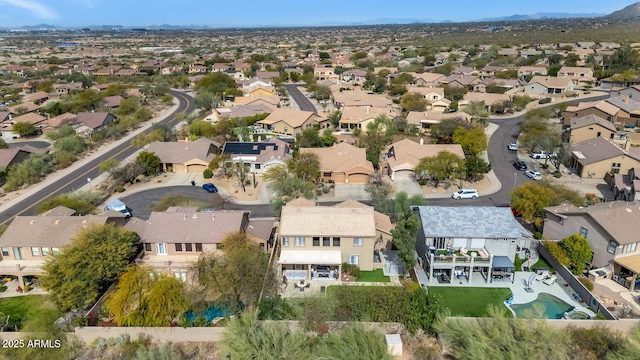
(542, 155)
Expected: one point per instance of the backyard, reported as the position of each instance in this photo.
(18, 308)
(472, 302)
(373, 276)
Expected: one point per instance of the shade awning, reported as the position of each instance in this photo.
(503, 262)
(310, 257)
(630, 262)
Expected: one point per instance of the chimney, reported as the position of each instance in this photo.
(626, 99)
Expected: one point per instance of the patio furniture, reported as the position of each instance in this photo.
(550, 280)
(483, 254)
(543, 276)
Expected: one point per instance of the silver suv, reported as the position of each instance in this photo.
(465, 194)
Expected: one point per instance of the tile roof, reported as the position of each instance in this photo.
(136, 225)
(618, 218)
(591, 119)
(46, 230)
(31, 118)
(624, 103)
(358, 114)
(266, 150)
(327, 221)
(595, 150)
(261, 228)
(550, 81)
(342, 157)
(113, 101)
(294, 118)
(181, 152)
(484, 222)
(93, 120)
(59, 211)
(202, 227)
(408, 152)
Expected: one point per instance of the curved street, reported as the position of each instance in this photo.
(77, 178)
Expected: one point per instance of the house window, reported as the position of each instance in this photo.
(55, 250)
(353, 259)
(584, 231)
(298, 241)
(631, 247)
(561, 221)
(35, 251)
(326, 241)
(178, 247)
(45, 251)
(147, 247)
(199, 247)
(257, 166)
(297, 267)
(612, 247)
(5, 251)
(336, 241)
(357, 241)
(161, 249)
(188, 247)
(181, 276)
(285, 241)
(17, 253)
(316, 241)
(327, 174)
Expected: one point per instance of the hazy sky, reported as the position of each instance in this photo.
(216, 13)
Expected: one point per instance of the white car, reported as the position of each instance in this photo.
(465, 194)
(513, 146)
(542, 155)
(535, 175)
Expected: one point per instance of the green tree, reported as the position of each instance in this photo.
(473, 141)
(476, 166)
(201, 128)
(236, 275)
(305, 166)
(3, 144)
(84, 203)
(310, 137)
(215, 83)
(530, 199)
(96, 256)
(29, 171)
(402, 204)
(73, 144)
(413, 102)
(322, 92)
(206, 101)
(334, 118)
(354, 342)
(143, 297)
(127, 106)
(24, 128)
(142, 114)
(286, 186)
(571, 59)
(149, 163)
(445, 166)
(445, 128)
(477, 110)
(454, 93)
(378, 134)
(579, 252)
(380, 195)
(109, 165)
(404, 237)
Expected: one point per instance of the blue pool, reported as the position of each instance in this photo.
(546, 306)
(213, 311)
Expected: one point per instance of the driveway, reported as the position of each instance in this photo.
(350, 191)
(408, 185)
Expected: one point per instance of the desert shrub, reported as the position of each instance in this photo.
(207, 173)
(119, 189)
(586, 282)
(544, 101)
(558, 253)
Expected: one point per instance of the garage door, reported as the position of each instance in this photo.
(403, 174)
(196, 168)
(358, 179)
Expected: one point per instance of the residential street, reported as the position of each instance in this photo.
(303, 103)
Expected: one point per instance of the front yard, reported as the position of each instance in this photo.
(472, 302)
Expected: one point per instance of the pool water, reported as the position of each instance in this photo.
(213, 311)
(546, 306)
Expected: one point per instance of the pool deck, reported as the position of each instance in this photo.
(520, 295)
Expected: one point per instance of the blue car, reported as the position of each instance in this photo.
(210, 187)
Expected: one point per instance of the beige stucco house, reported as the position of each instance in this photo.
(403, 156)
(596, 157)
(185, 157)
(343, 163)
(357, 117)
(291, 122)
(423, 120)
(590, 127)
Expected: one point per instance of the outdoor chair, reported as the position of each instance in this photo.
(308, 285)
(550, 280)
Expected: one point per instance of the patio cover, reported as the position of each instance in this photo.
(310, 257)
(502, 262)
(630, 262)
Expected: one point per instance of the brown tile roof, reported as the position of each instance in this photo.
(4, 115)
(59, 211)
(202, 227)
(61, 120)
(327, 221)
(29, 106)
(591, 119)
(46, 230)
(93, 120)
(302, 202)
(36, 96)
(595, 150)
(406, 152)
(293, 118)
(550, 81)
(113, 101)
(181, 152)
(182, 209)
(262, 229)
(136, 225)
(32, 118)
(342, 157)
(358, 114)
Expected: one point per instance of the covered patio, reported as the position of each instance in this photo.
(503, 269)
(626, 271)
(301, 264)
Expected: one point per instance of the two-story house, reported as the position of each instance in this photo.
(590, 127)
(611, 229)
(258, 156)
(313, 237)
(469, 241)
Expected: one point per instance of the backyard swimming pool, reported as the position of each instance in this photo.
(213, 311)
(546, 306)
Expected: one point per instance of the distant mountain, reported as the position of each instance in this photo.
(39, 26)
(536, 16)
(630, 12)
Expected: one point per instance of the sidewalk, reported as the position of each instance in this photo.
(55, 176)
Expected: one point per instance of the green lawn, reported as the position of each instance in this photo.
(541, 263)
(372, 276)
(472, 302)
(19, 307)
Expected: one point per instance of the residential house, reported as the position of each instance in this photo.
(620, 110)
(428, 79)
(488, 98)
(354, 75)
(92, 121)
(549, 85)
(32, 118)
(404, 155)
(23, 108)
(596, 157)
(611, 229)
(112, 102)
(174, 240)
(423, 120)
(291, 122)
(185, 157)
(358, 117)
(490, 70)
(60, 121)
(270, 101)
(268, 76)
(632, 92)
(63, 89)
(322, 72)
(258, 156)
(579, 75)
(531, 70)
(312, 236)
(30, 240)
(16, 155)
(627, 186)
(508, 52)
(197, 68)
(237, 112)
(589, 127)
(428, 93)
(343, 163)
(460, 243)
(459, 81)
(37, 98)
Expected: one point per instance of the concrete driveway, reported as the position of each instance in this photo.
(407, 185)
(350, 191)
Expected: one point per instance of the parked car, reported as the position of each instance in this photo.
(513, 146)
(210, 187)
(465, 194)
(323, 271)
(520, 165)
(535, 175)
(542, 155)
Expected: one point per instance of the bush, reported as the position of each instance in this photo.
(558, 253)
(538, 235)
(351, 269)
(586, 282)
(557, 175)
(544, 101)
(119, 188)
(207, 173)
